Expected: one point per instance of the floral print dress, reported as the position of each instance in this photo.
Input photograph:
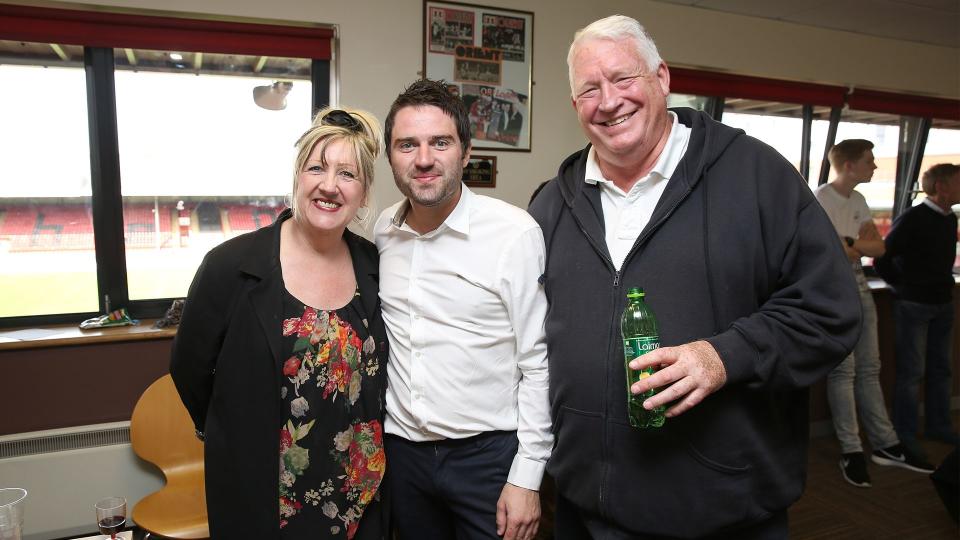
(331, 437)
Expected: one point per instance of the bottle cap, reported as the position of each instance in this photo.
(635, 292)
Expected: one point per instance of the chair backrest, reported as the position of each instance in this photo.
(161, 431)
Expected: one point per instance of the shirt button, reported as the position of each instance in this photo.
(416, 317)
(417, 354)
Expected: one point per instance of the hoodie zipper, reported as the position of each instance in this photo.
(605, 465)
(613, 326)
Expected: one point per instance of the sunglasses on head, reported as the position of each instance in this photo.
(343, 119)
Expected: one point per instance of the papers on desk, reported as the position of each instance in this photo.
(28, 334)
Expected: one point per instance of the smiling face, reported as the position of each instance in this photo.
(426, 157)
(330, 189)
(621, 104)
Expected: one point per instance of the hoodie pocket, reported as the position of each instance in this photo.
(575, 461)
(660, 484)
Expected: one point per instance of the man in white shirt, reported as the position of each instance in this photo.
(468, 422)
(854, 385)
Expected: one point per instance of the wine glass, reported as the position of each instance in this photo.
(111, 515)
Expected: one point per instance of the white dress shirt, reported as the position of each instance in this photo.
(626, 214)
(465, 313)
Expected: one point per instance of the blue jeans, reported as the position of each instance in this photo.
(923, 338)
(854, 386)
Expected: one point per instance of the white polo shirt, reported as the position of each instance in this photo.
(626, 214)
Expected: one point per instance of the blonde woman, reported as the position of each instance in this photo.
(280, 355)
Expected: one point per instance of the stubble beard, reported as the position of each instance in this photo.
(431, 196)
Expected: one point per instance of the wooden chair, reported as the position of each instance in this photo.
(161, 432)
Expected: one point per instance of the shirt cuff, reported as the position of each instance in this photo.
(526, 473)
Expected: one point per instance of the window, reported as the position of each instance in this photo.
(200, 162)
(686, 100)
(772, 110)
(47, 262)
(778, 124)
(125, 160)
(798, 119)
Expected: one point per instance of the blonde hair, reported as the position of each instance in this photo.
(366, 140)
(616, 28)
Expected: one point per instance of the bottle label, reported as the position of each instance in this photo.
(638, 346)
(638, 416)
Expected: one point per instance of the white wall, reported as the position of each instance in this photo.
(381, 44)
(62, 487)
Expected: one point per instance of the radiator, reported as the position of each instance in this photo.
(65, 472)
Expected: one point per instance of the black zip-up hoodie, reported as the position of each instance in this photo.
(737, 252)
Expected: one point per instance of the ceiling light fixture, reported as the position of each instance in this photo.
(273, 97)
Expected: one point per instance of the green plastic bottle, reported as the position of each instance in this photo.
(638, 327)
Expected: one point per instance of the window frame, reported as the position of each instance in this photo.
(920, 110)
(100, 33)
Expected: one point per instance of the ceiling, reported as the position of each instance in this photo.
(934, 22)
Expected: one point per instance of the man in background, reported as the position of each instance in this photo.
(854, 385)
(920, 252)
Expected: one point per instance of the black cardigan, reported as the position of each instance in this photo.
(224, 366)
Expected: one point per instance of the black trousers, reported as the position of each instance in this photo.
(448, 489)
(574, 524)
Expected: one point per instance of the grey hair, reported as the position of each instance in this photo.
(940, 172)
(616, 28)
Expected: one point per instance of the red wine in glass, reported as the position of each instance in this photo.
(111, 515)
(111, 525)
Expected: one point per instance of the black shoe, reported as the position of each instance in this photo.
(899, 455)
(854, 469)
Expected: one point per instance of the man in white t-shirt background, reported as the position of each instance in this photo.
(854, 386)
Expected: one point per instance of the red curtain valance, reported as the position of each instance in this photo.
(100, 29)
(708, 83)
(889, 102)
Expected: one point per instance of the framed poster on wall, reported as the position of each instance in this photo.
(486, 56)
(481, 171)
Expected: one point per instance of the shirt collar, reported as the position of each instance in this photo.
(936, 207)
(458, 220)
(664, 167)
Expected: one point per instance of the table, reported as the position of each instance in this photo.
(125, 535)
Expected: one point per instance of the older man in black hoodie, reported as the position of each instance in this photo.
(753, 295)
